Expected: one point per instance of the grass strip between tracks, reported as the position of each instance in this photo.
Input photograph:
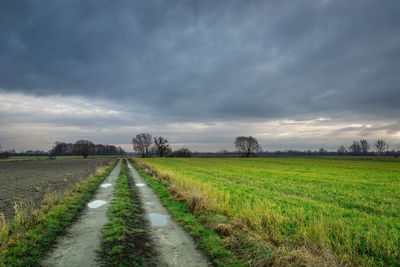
(126, 242)
(27, 237)
(198, 226)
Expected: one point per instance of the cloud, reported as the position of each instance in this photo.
(32, 122)
(184, 63)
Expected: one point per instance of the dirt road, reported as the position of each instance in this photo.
(172, 244)
(78, 247)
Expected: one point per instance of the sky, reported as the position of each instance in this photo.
(294, 74)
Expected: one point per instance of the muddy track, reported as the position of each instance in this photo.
(78, 247)
(172, 244)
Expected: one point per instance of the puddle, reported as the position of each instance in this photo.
(96, 204)
(129, 166)
(139, 184)
(105, 185)
(157, 219)
(148, 203)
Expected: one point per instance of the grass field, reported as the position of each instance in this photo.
(345, 208)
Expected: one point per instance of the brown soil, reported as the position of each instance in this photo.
(31, 180)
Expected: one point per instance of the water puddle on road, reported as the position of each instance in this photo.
(148, 203)
(158, 220)
(139, 184)
(105, 185)
(96, 204)
(129, 166)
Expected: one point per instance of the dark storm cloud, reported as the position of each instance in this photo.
(208, 60)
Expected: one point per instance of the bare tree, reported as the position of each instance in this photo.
(381, 146)
(355, 148)
(142, 143)
(364, 146)
(162, 146)
(247, 145)
(84, 148)
(342, 149)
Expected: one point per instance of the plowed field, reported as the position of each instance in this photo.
(31, 180)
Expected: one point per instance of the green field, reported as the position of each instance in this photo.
(346, 207)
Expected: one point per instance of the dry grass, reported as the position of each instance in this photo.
(24, 213)
(223, 228)
(249, 247)
(301, 257)
(3, 227)
(198, 204)
(178, 193)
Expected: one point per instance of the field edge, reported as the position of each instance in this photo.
(215, 234)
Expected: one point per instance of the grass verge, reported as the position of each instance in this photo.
(31, 232)
(222, 240)
(126, 242)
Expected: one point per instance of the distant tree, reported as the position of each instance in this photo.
(182, 153)
(355, 148)
(99, 149)
(84, 148)
(381, 146)
(162, 146)
(364, 146)
(322, 151)
(121, 151)
(4, 155)
(52, 154)
(59, 148)
(247, 145)
(342, 149)
(142, 143)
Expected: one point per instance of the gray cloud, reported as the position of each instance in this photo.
(206, 61)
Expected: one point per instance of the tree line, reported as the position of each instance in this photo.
(85, 148)
(247, 146)
(82, 148)
(146, 145)
(363, 147)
